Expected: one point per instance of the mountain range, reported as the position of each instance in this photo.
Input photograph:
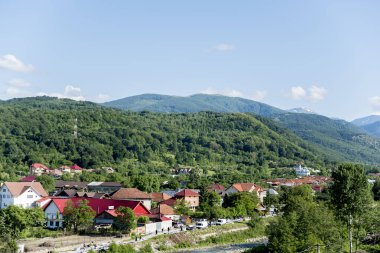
(329, 139)
(338, 139)
(370, 124)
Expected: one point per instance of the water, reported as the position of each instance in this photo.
(226, 248)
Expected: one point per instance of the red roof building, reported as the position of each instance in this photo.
(100, 206)
(28, 179)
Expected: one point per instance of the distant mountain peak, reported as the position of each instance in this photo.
(301, 110)
(366, 120)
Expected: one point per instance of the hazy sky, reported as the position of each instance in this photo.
(323, 55)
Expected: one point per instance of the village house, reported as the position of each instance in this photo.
(191, 198)
(158, 197)
(218, 188)
(166, 211)
(22, 194)
(63, 185)
(75, 169)
(246, 187)
(133, 194)
(38, 169)
(106, 187)
(105, 209)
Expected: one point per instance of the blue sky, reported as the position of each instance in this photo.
(323, 55)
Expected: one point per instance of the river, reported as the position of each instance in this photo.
(225, 248)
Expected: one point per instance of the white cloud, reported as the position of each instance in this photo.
(70, 92)
(259, 95)
(317, 93)
(375, 103)
(224, 47)
(102, 97)
(17, 88)
(225, 92)
(10, 62)
(297, 92)
(314, 93)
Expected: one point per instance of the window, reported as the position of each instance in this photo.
(57, 223)
(4, 190)
(51, 223)
(4, 196)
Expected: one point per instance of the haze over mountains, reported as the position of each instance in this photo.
(370, 124)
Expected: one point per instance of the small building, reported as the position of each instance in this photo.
(158, 197)
(246, 187)
(38, 169)
(107, 187)
(63, 185)
(133, 194)
(105, 209)
(22, 194)
(28, 179)
(191, 197)
(218, 188)
(69, 193)
(302, 171)
(166, 211)
(76, 169)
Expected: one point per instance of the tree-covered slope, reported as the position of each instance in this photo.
(42, 130)
(194, 103)
(336, 138)
(370, 124)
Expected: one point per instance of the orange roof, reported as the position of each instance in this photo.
(17, 188)
(39, 165)
(187, 193)
(216, 187)
(246, 187)
(158, 196)
(130, 193)
(163, 209)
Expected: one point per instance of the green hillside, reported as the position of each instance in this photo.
(194, 103)
(41, 130)
(337, 139)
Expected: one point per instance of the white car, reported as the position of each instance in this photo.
(201, 224)
(221, 222)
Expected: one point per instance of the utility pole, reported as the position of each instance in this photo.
(318, 248)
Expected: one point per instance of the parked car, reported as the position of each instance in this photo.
(221, 222)
(201, 224)
(178, 224)
(190, 227)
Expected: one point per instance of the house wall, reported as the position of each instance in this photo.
(25, 200)
(52, 221)
(192, 201)
(230, 190)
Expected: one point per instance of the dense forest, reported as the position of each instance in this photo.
(339, 140)
(42, 130)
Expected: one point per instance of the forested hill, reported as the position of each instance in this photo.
(41, 130)
(338, 139)
(194, 103)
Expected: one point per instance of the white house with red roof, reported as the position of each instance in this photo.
(38, 169)
(104, 209)
(246, 187)
(76, 169)
(23, 194)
